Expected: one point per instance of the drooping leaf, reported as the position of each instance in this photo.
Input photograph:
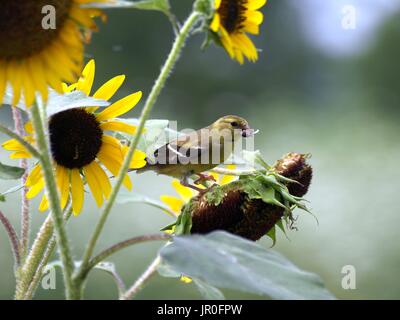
(75, 99)
(60, 102)
(227, 261)
(272, 234)
(106, 266)
(208, 291)
(10, 172)
(109, 267)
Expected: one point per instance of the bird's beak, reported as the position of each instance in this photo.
(248, 132)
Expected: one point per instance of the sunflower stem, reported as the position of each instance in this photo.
(25, 215)
(12, 236)
(124, 244)
(32, 150)
(168, 66)
(51, 244)
(54, 201)
(141, 281)
(34, 257)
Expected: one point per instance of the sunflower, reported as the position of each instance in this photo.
(185, 193)
(232, 19)
(79, 145)
(34, 56)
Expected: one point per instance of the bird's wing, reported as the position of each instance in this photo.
(186, 149)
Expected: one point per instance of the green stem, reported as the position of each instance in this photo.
(25, 215)
(32, 150)
(155, 92)
(51, 244)
(54, 201)
(34, 257)
(138, 285)
(124, 244)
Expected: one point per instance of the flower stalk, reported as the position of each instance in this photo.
(54, 202)
(142, 280)
(25, 215)
(172, 58)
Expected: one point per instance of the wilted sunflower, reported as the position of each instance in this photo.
(79, 145)
(185, 193)
(33, 56)
(232, 19)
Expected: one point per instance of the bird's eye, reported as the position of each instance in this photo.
(234, 124)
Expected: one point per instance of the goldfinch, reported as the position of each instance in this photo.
(199, 151)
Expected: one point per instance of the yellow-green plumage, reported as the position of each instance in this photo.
(199, 151)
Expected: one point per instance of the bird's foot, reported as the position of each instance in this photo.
(204, 178)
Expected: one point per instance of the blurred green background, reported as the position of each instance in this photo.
(316, 88)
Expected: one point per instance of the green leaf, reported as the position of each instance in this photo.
(11, 190)
(227, 261)
(10, 172)
(272, 234)
(106, 266)
(109, 268)
(60, 102)
(71, 100)
(183, 223)
(208, 291)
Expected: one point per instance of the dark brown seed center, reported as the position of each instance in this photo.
(232, 14)
(21, 28)
(75, 138)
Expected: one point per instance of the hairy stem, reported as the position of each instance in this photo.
(141, 281)
(12, 236)
(124, 244)
(25, 216)
(34, 257)
(44, 261)
(155, 92)
(54, 201)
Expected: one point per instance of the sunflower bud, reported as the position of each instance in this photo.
(250, 207)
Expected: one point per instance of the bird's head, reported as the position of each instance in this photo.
(234, 124)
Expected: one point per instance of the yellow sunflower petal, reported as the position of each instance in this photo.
(254, 16)
(35, 189)
(214, 26)
(256, 4)
(34, 176)
(138, 160)
(107, 90)
(94, 185)
(85, 82)
(13, 145)
(120, 107)
(102, 179)
(29, 127)
(217, 4)
(20, 155)
(185, 192)
(175, 204)
(113, 165)
(77, 191)
(118, 126)
(44, 204)
(62, 175)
